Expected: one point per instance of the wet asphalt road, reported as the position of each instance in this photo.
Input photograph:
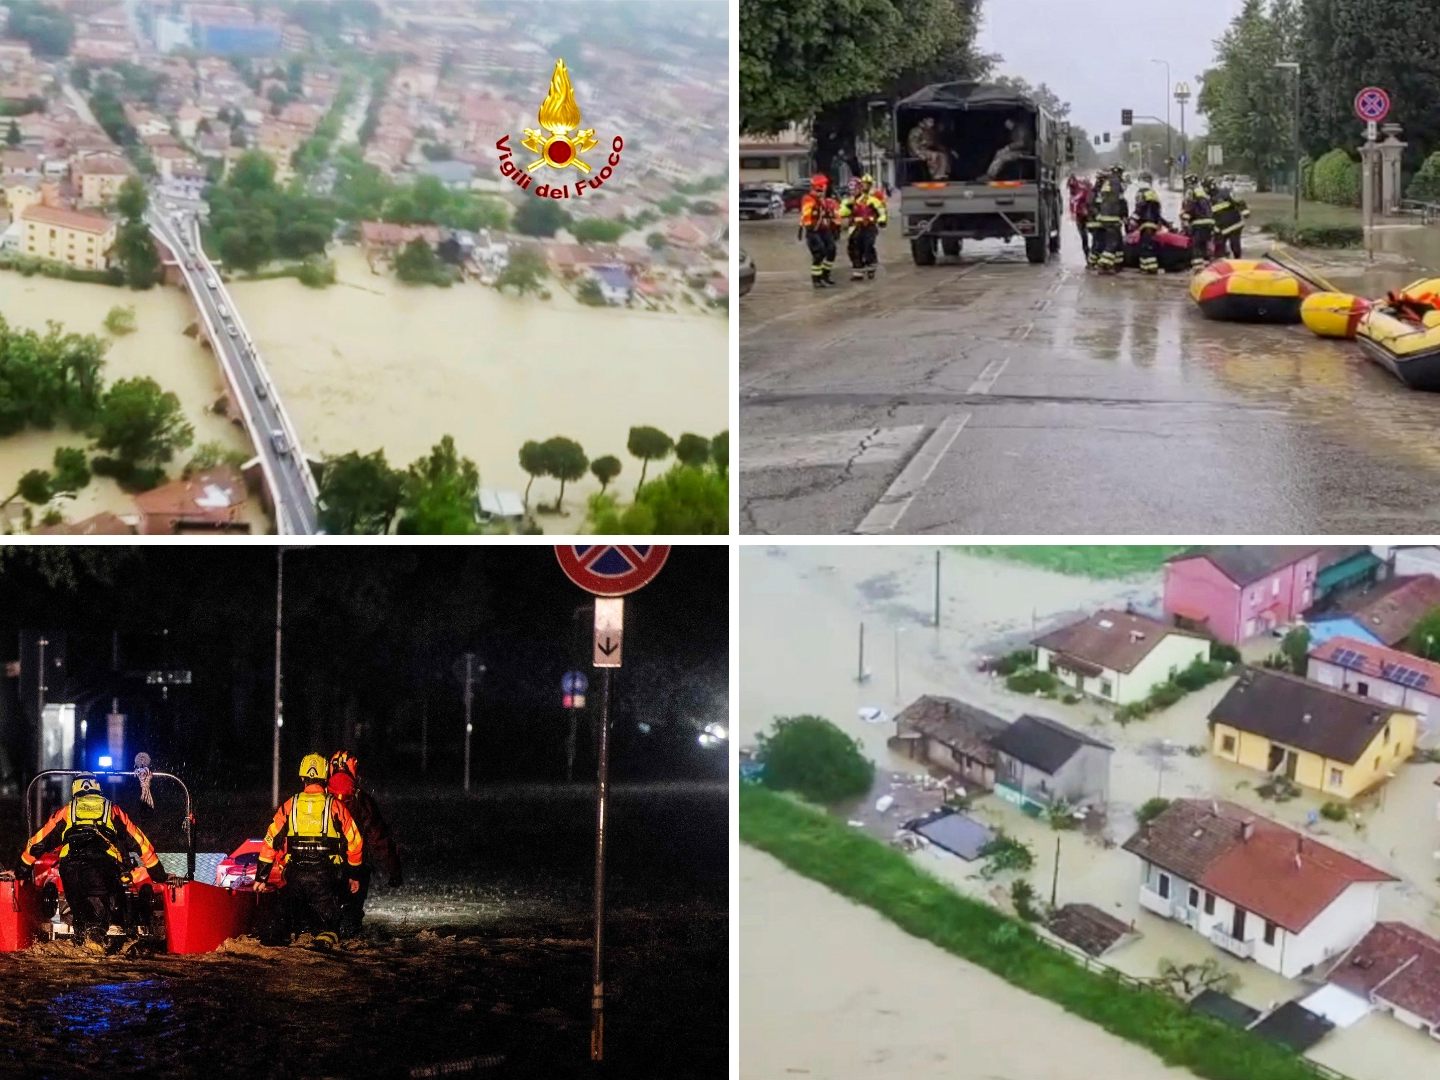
(992, 396)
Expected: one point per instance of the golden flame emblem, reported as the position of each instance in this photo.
(558, 115)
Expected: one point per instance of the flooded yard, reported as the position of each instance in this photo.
(371, 362)
(802, 608)
(158, 348)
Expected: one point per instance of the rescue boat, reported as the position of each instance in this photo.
(1333, 314)
(1405, 341)
(1248, 290)
(1174, 250)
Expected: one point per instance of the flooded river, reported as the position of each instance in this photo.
(158, 348)
(802, 609)
(370, 362)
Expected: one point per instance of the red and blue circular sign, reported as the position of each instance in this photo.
(1372, 104)
(612, 569)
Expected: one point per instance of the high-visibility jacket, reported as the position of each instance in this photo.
(312, 828)
(1111, 197)
(1196, 209)
(862, 212)
(817, 213)
(90, 824)
(1230, 212)
(1147, 209)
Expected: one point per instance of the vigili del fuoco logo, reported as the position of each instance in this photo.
(561, 144)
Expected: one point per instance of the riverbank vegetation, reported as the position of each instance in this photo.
(121, 320)
(362, 493)
(254, 221)
(810, 755)
(364, 193)
(868, 872)
(1104, 561)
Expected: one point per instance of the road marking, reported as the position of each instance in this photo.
(987, 378)
(862, 446)
(885, 515)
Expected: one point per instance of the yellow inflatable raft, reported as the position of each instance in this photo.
(1403, 337)
(1333, 314)
(1245, 290)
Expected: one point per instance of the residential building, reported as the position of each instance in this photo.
(1387, 675)
(187, 120)
(385, 237)
(1382, 614)
(210, 501)
(1118, 655)
(97, 178)
(1395, 968)
(102, 524)
(1253, 887)
(782, 158)
(19, 192)
(615, 283)
(235, 38)
(1411, 560)
(18, 162)
(73, 237)
(1330, 741)
(1239, 592)
(950, 735)
(1039, 762)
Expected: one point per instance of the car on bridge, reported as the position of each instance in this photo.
(211, 283)
(278, 440)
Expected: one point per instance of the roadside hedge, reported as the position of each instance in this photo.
(1316, 236)
(883, 878)
(1336, 179)
(1425, 184)
(29, 266)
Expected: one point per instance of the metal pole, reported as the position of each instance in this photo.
(897, 663)
(1169, 159)
(279, 714)
(602, 788)
(1055, 877)
(42, 641)
(570, 749)
(860, 674)
(937, 588)
(1296, 134)
(469, 699)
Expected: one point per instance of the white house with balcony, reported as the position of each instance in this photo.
(1119, 656)
(1254, 888)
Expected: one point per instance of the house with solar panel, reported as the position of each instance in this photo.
(1334, 742)
(1387, 675)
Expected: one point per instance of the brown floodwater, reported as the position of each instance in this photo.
(158, 348)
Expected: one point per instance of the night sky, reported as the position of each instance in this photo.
(374, 640)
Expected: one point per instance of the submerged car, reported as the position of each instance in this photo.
(747, 273)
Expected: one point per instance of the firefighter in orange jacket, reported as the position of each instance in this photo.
(323, 851)
(380, 846)
(818, 226)
(93, 835)
(865, 215)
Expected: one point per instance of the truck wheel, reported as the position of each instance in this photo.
(951, 247)
(1037, 248)
(922, 250)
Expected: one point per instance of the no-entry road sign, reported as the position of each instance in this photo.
(1372, 104)
(612, 569)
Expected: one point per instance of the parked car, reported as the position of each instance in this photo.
(791, 198)
(761, 201)
(747, 273)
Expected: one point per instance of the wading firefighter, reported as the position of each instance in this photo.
(864, 214)
(817, 227)
(380, 846)
(1230, 214)
(1198, 218)
(1147, 213)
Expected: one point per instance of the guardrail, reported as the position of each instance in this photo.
(1428, 212)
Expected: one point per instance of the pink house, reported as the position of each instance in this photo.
(1236, 593)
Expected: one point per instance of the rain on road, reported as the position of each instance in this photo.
(994, 396)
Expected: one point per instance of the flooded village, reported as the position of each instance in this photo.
(1221, 766)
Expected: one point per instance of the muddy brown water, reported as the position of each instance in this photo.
(801, 610)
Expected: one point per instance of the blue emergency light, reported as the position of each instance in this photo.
(106, 761)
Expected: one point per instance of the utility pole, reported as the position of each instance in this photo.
(1182, 95)
(279, 712)
(1169, 160)
(1055, 877)
(469, 700)
(860, 672)
(1294, 65)
(40, 727)
(897, 664)
(937, 588)
(602, 790)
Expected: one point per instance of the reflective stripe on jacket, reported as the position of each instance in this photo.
(89, 816)
(313, 826)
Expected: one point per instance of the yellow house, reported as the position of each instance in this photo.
(1330, 741)
(69, 236)
(19, 192)
(98, 178)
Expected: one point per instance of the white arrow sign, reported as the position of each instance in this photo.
(609, 630)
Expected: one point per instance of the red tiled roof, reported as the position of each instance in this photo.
(69, 219)
(1278, 873)
(1111, 639)
(1391, 609)
(1397, 964)
(386, 232)
(102, 524)
(213, 496)
(1379, 662)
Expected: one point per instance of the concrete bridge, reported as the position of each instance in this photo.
(289, 482)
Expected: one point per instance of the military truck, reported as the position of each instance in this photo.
(977, 161)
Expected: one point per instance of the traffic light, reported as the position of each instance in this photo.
(1127, 117)
(1107, 136)
(1097, 140)
(1069, 147)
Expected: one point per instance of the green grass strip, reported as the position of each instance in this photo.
(859, 867)
(1081, 560)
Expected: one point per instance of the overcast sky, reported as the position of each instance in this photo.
(1096, 54)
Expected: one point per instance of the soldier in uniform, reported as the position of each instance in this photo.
(864, 214)
(1147, 213)
(1198, 218)
(924, 143)
(817, 227)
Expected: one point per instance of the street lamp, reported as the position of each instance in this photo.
(1182, 95)
(1294, 66)
(1169, 161)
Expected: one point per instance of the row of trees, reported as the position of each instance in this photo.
(47, 28)
(362, 493)
(254, 220)
(1341, 45)
(364, 193)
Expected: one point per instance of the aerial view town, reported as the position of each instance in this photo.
(266, 267)
(1175, 807)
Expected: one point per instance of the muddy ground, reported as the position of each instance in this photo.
(478, 965)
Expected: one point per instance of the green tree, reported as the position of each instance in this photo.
(1150, 809)
(212, 455)
(598, 231)
(48, 29)
(417, 262)
(121, 320)
(12, 134)
(141, 424)
(810, 755)
(1336, 179)
(33, 487)
(525, 272)
(692, 450)
(535, 462)
(72, 469)
(136, 254)
(682, 501)
(1425, 184)
(1295, 645)
(359, 493)
(1424, 639)
(438, 494)
(655, 241)
(133, 199)
(540, 217)
(605, 469)
(564, 460)
(588, 292)
(648, 444)
(720, 452)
